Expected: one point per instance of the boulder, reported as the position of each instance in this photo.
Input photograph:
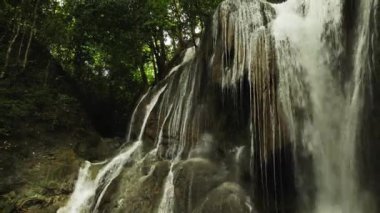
(227, 198)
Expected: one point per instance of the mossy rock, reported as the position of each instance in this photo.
(193, 179)
(7, 204)
(95, 148)
(227, 198)
(50, 180)
(138, 189)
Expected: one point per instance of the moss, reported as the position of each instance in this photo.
(47, 179)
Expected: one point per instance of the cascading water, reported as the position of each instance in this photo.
(214, 135)
(89, 192)
(309, 44)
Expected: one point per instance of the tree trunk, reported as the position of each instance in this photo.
(9, 50)
(162, 71)
(143, 75)
(25, 61)
(21, 45)
(154, 61)
(158, 58)
(193, 33)
(178, 13)
(32, 31)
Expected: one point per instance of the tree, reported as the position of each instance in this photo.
(109, 50)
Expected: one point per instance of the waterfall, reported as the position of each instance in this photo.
(82, 192)
(268, 83)
(309, 44)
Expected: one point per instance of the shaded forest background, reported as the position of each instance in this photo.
(75, 58)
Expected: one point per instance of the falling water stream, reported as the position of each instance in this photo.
(167, 201)
(309, 41)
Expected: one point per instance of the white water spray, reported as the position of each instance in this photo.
(308, 43)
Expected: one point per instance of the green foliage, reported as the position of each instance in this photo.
(107, 51)
(21, 107)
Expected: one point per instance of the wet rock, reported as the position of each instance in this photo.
(94, 148)
(49, 178)
(141, 187)
(227, 198)
(193, 179)
(205, 148)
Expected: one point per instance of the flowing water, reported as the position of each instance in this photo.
(309, 43)
(89, 192)
(183, 106)
(304, 85)
(167, 200)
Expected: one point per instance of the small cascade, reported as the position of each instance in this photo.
(134, 115)
(178, 111)
(89, 192)
(82, 192)
(168, 198)
(176, 104)
(149, 109)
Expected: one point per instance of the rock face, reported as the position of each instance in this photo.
(193, 180)
(38, 170)
(228, 197)
(43, 181)
(144, 181)
(46, 181)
